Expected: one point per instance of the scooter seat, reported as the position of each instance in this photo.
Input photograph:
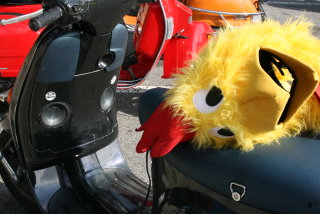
(279, 178)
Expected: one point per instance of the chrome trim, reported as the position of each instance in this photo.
(3, 68)
(222, 17)
(225, 13)
(102, 64)
(130, 81)
(4, 95)
(126, 84)
(8, 168)
(50, 95)
(21, 18)
(169, 26)
(221, 13)
(130, 28)
(91, 72)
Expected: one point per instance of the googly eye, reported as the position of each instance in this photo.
(221, 132)
(208, 101)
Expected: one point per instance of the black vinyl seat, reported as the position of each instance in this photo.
(280, 178)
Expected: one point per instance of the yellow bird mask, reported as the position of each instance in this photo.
(251, 85)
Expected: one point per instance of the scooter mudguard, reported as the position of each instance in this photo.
(16, 39)
(67, 106)
(277, 178)
(183, 46)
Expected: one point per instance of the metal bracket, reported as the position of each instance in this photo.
(236, 196)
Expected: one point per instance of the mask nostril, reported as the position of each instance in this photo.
(225, 132)
(221, 132)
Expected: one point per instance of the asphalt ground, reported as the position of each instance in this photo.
(127, 101)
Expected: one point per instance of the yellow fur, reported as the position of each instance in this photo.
(223, 63)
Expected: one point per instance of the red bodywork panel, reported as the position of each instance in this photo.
(150, 30)
(151, 20)
(147, 37)
(183, 46)
(157, 30)
(16, 39)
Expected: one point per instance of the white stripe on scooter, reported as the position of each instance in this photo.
(140, 89)
(294, 3)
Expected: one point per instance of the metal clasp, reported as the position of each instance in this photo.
(234, 188)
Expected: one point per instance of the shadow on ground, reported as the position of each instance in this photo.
(128, 103)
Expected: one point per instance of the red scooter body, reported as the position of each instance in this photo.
(164, 28)
(16, 39)
(183, 46)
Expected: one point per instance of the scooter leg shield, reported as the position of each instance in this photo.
(63, 101)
